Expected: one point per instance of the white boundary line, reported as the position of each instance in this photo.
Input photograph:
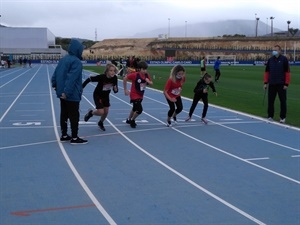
(71, 165)
(220, 150)
(250, 135)
(176, 172)
(239, 113)
(11, 105)
(184, 177)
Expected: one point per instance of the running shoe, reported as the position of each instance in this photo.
(282, 120)
(169, 123)
(188, 119)
(174, 119)
(204, 120)
(100, 124)
(88, 115)
(77, 141)
(132, 124)
(65, 138)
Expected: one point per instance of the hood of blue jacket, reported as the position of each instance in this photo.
(75, 48)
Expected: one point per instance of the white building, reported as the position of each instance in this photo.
(36, 43)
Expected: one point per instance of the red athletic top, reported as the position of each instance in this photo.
(174, 89)
(138, 84)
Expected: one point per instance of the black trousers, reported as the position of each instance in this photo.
(218, 74)
(69, 111)
(273, 90)
(196, 99)
(172, 105)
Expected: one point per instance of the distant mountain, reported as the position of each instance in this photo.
(213, 29)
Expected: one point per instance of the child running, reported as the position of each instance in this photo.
(106, 82)
(201, 92)
(139, 81)
(172, 92)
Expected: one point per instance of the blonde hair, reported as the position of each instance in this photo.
(110, 65)
(175, 70)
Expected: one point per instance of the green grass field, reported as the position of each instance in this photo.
(240, 88)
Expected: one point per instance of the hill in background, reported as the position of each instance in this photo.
(213, 29)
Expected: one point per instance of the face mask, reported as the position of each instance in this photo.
(275, 53)
(178, 77)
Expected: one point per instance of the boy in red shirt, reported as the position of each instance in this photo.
(139, 81)
(172, 92)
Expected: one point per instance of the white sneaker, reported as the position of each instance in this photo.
(175, 119)
(282, 120)
(270, 119)
(169, 123)
(204, 120)
(188, 119)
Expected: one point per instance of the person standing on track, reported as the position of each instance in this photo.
(67, 81)
(106, 82)
(201, 92)
(277, 79)
(139, 81)
(217, 65)
(172, 92)
(203, 65)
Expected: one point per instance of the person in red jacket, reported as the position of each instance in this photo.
(139, 81)
(172, 92)
(277, 79)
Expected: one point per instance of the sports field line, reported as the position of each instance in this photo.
(176, 172)
(71, 165)
(11, 105)
(241, 132)
(223, 151)
(16, 78)
(7, 74)
(187, 179)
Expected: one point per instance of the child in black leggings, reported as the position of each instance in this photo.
(172, 92)
(201, 92)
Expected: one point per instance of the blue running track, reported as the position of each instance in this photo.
(237, 170)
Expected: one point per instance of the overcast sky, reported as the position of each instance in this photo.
(124, 18)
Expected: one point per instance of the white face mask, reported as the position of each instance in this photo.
(275, 53)
(178, 77)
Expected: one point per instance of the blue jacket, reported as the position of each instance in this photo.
(67, 77)
(217, 64)
(277, 71)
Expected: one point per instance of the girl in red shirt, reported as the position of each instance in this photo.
(172, 92)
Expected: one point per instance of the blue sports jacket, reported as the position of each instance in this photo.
(67, 77)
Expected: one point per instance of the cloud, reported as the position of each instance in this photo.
(123, 18)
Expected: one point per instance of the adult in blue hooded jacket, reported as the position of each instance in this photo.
(67, 81)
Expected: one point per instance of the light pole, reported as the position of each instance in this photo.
(185, 29)
(288, 31)
(267, 26)
(272, 18)
(255, 23)
(169, 27)
(257, 19)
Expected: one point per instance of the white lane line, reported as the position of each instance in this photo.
(71, 165)
(11, 105)
(187, 179)
(295, 156)
(179, 174)
(26, 145)
(255, 159)
(223, 151)
(13, 78)
(241, 132)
